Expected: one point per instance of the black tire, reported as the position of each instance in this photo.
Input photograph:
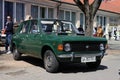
(50, 62)
(16, 54)
(94, 65)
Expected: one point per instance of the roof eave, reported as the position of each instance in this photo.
(109, 11)
(76, 5)
(63, 2)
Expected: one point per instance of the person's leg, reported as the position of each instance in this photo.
(115, 37)
(6, 44)
(9, 40)
(9, 43)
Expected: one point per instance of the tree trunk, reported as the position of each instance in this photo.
(89, 25)
(88, 21)
(89, 10)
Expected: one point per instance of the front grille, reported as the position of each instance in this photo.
(85, 46)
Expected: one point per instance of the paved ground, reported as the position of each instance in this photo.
(114, 45)
(32, 69)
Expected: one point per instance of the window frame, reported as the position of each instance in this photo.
(37, 8)
(49, 9)
(22, 25)
(31, 27)
(23, 12)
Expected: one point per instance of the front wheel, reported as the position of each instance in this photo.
(94, 65)
(50, 62)
(16, 54)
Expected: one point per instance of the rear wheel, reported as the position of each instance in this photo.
(50, 62)
(16, 54)
(94, 65)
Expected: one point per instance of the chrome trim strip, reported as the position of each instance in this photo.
(72, 55)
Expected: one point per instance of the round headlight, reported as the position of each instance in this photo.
(67, 47)
(102, 47)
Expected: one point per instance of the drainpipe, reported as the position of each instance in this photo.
(3, 12)
(58, 4)
(58, 9)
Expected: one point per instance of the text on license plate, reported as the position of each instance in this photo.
(88, 59)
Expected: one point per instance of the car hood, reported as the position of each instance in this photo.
(75, 38)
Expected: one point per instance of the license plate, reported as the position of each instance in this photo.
(88, 59)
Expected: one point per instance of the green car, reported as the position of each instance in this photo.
(57, 41)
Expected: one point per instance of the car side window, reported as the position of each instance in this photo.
(34, 27)
(47, 27)
(25, 27)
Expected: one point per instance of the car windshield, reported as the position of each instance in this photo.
(60, 27)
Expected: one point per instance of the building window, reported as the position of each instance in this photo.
(50, 12)
(8, 10)
(67, 15)
(43, 12)
(81, 19)
(113, 21)
(19, 12)
(73, 18)
(61, 14)
(101, 21)
(34, 11)
(1, 1)
(97, 18)
(104, 23)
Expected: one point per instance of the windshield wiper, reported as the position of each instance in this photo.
(62, 33)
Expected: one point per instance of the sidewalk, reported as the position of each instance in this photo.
(115, 42)
(2, 49)
(113, 47)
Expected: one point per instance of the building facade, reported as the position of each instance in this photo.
(19, 9)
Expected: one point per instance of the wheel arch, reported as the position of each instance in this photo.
(13, 44)
(44, 48)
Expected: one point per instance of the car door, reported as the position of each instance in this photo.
(22, 36)
(34, 39)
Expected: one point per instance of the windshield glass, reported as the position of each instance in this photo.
(58, 27)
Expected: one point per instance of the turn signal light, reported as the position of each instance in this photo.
(60, 47)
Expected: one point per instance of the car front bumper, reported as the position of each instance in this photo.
(73, 57)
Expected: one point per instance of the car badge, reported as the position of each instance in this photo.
(87, 46)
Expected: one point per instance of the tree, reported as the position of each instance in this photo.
(89, 10)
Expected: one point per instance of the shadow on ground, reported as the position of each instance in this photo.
(2, 52)
(64, 68)
(1, 49)
(75, 68)
(33, 61)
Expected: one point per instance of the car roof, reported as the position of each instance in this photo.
(50, 20)
(55, 20)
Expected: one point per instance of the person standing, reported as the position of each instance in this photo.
(115, 33)
(99, 31)
(80, 29)
(110, 34)
(95, 31)
(9, 33)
